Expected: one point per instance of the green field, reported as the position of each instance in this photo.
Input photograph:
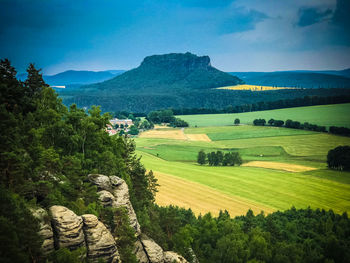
(205, 188)
(325, 115)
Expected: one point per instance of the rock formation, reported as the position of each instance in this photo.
(170, 257)
(71, 231)
(154, 252)
(113, 191)
(68, 228)
(99, 241)
(45, 230)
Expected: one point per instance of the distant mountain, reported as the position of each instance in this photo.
(183, 81)
(303, 79)
(170, 73)
(77, 77)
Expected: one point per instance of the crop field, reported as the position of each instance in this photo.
(325, 115)
(282, 168)
(254, 87)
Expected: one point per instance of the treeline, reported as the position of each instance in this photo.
(219, 158)
(304, 235)
(47, 151)
(267, 105)
(166, 116)
(303, 126)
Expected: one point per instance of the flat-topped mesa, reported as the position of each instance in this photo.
(173, 60)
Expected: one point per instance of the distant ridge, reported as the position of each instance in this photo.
(77, 77)
(303, 79)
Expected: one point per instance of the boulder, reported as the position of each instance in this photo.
(171, 257)
(153, 250)
(68, 228)
(120, 192)
(99, 241)
(45, 230)
(140, 253)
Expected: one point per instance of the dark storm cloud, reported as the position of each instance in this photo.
(310, 16)
(341, 19)
(241, 20)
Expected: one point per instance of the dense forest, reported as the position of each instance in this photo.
(47, 151)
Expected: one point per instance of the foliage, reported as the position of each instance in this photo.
(47, 151)
(201, 159)
(125, 235)
(339, 158)
(218, 158)
(259, 122)
(339, 130)
(303, 235)
(19, 239)
(178, 123)
(64, 255)
(237, 121)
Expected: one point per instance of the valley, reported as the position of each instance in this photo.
(282, 167)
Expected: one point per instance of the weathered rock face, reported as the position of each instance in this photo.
(140, 252)
(68, 228)
(171, 257)
(99, 241)
(71, 231)
(113, 191)
(45, 230)
(152, 249)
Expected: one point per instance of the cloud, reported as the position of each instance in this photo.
(241, 20)
(310, 16)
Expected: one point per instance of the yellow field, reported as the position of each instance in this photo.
(164, 134)
(198, 137)
(200, 198)
(280, 166)
(254, 87)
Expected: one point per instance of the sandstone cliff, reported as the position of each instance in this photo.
(65, 229)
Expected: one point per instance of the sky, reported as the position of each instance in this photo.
(238, 35)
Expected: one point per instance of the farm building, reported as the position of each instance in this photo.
(119, 122)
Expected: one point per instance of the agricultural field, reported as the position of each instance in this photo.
(254, 87)
(324, 115)
(282, 168)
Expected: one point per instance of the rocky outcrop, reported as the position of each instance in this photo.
(68, 228)
(114, 192)
(140, 252)
(171, 257)
(99, 241)
(45, 231)
(72, 231)
(154, 252)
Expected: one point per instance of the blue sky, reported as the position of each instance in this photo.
(240, 35)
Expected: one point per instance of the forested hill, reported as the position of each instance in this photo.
(173, 72)
(179, 81)
(302, 79)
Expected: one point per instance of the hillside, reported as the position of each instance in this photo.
(302, 79)
(175, 81)
(321, 115)
(169, 73)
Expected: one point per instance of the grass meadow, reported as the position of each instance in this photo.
(282, 168)
(325, 115)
